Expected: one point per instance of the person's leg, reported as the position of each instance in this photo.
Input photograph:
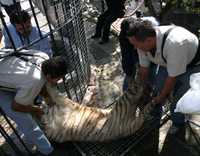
(12, 8)
(125, 83)
(26, 124)
(108, 21)
(178, 119)
(128, 81)
(156, 80)
(100, 24)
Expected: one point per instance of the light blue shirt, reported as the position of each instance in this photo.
(19, 41)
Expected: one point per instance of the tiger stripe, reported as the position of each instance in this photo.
(70, 121)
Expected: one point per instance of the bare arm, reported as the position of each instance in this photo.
(46, 96)
(27, 108)
(144, 73)
(168, 87)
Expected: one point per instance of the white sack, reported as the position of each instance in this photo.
(189, 103)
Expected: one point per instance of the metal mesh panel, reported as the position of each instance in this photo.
(61, 22)
(13, 144)
(121, 147)
(72, 34)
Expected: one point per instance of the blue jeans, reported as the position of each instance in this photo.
(125, 83)
(159, 76)
(181, 86)
(155, 73)
(26, 124)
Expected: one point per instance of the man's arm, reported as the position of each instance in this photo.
(46, 96)
(27, 108)
(165, 92)
(144, 74)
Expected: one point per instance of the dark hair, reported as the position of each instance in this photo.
(19, 17)
(140, 29)
(55, 67)
(125, 26)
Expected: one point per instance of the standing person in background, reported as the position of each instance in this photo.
(115, 9)
(23, 33)
(128, 51)
(11, 6)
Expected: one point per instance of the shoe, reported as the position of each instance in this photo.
(95, 37)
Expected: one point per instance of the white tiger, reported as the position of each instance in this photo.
(70, 121)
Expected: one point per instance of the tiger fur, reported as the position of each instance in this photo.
(70, 121)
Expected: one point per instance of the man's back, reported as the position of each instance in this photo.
(22, 76)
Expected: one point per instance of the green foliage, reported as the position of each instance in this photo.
(192, 6)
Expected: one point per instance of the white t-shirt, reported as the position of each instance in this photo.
(179, 49)
(24, 77)
(151, 19)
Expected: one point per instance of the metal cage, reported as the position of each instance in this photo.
(61, 23)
